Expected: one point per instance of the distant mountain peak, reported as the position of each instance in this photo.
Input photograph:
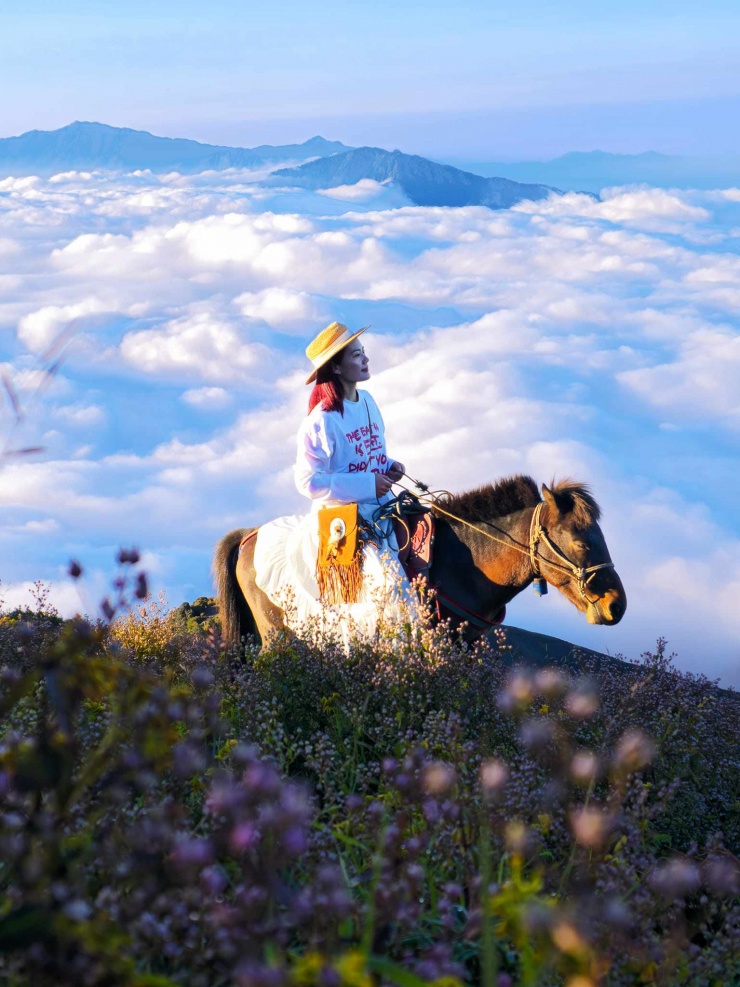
(592, 171)
(610, 156)
(425, 182)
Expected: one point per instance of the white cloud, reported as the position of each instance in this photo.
(197, 345)
(646, 208)
(288, 311)
(22, 185)
(40, 328)
(63, 595)
(81, 415)
(46, 526)
(72, 176)
(701, 383)
(362, 191)
(437, 223)
(8, 247)
(715, 269)
(207, 397)
(28, 484)
(565, 336)
(696, 597)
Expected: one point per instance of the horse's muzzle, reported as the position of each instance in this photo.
(608, 609)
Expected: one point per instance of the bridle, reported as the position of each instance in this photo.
(583, 575)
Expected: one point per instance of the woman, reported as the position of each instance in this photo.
(342, 457)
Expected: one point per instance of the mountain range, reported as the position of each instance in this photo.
(97, 146)
(425, 182)
(84, 146)
(592, 171)
(93, 146)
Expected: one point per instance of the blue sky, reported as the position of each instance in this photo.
(436, 78)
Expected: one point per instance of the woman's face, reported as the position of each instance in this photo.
(353, 364)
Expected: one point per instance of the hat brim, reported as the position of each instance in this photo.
(332, 352)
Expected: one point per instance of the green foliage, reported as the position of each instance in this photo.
(198, 617)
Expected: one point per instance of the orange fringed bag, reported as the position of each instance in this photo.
(339, 562)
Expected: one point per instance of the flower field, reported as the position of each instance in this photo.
(409, 812)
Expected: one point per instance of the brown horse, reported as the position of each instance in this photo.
(490, 544)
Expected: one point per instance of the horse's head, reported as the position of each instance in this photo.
(572, 555)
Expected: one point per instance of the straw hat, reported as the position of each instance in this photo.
(327, 344)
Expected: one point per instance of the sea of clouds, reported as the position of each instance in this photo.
(569, 337)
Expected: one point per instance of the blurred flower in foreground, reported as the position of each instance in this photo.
(676, 878)
(518, 838)
(493, 775)
(550, 682)
(439, 778)
(128, 556)
(537, 734)
(590, 826)
(583, 702)
(142, 590)
(568, 939)
(635, 751)
(584, 767)
(517, 694)
(723, 876)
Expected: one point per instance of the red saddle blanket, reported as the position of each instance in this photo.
(415, 537)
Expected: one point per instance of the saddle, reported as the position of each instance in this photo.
(415, 529)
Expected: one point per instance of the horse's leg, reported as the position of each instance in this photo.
(268, 618)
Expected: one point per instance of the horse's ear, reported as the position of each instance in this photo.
(554, 509)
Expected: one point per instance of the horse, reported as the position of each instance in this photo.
(490, 544)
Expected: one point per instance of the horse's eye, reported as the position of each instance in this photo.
(580, 546)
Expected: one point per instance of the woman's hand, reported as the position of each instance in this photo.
(383, 483)
(396, 470)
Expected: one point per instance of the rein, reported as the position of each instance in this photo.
(583, 575)
(476, 619)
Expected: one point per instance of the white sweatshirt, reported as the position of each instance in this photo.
(338, 455)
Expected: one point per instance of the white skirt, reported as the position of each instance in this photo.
(285, 556)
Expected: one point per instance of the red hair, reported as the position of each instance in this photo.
(328, 390)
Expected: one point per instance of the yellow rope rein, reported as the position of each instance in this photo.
(431, 496)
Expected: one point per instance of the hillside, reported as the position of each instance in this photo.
(408, 811)
(425, 182)
(540, 650)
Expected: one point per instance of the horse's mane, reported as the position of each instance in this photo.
(509, 495)
(576, 498)
(515, 493)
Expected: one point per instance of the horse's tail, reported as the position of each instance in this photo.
(237, 619)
